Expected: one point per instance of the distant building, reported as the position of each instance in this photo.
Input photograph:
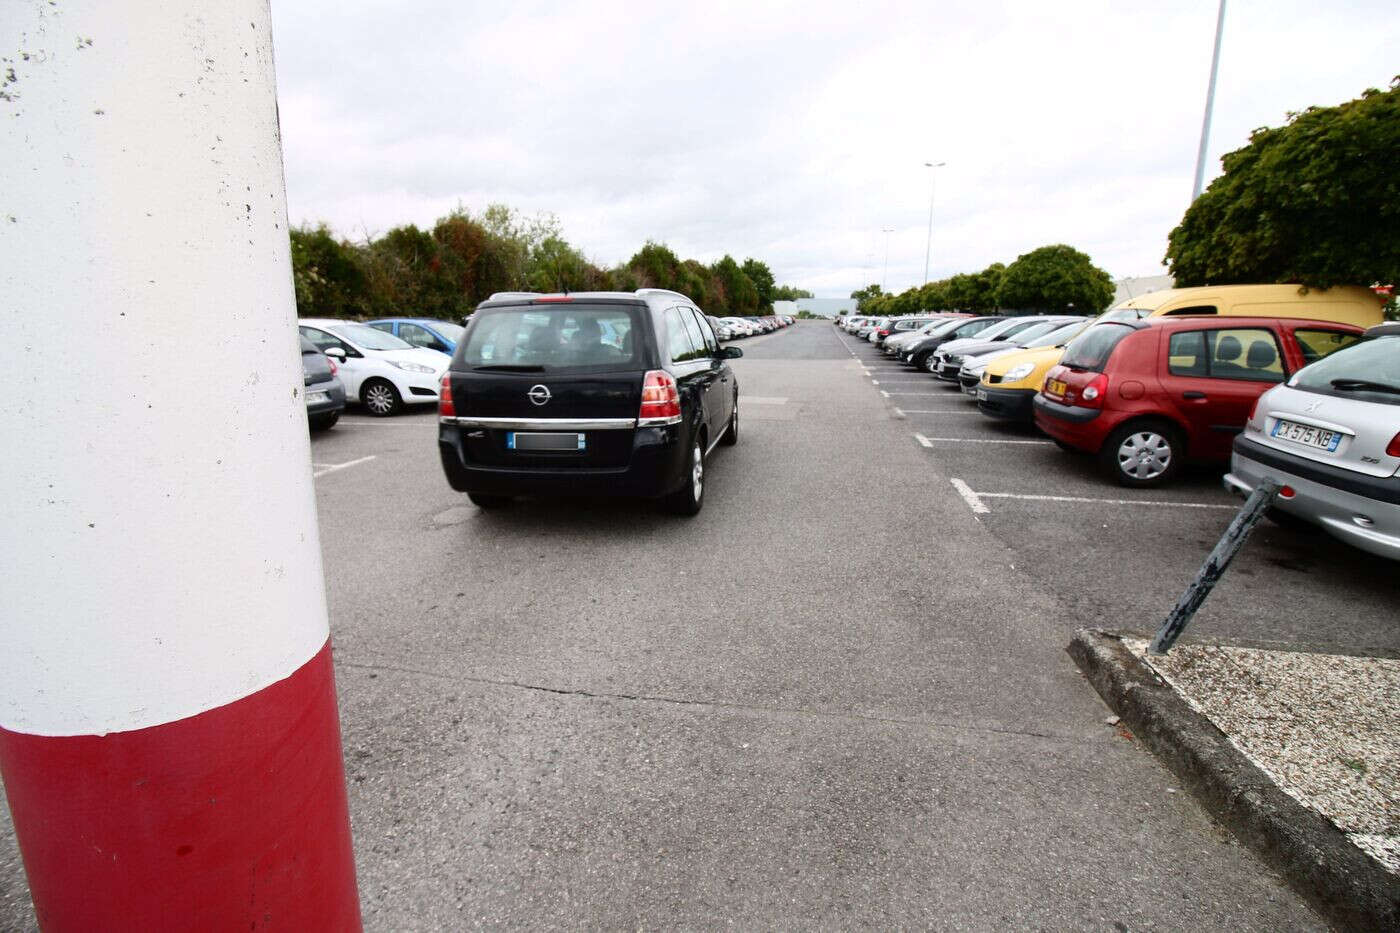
(1133, 286)
(821, 307)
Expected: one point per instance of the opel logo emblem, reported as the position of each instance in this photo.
(539, 394)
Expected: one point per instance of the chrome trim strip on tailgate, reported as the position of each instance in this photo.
(544, 424)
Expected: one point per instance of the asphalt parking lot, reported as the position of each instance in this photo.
(1119, 558)
(837, 697)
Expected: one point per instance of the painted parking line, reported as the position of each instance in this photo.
(930, 441)
(323, 468)
(975, 500)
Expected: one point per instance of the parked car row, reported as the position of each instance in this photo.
(1302, 388)
(732, 328)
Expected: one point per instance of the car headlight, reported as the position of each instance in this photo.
(1017, 373)
(412, 367)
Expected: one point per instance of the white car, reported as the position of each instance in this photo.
(380, 371)
(742, 327)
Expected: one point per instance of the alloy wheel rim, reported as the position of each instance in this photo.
(378, 400)
(1144, 455)
(697, 473)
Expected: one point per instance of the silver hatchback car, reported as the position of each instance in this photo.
(1331, 436)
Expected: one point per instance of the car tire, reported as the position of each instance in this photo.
(380, 398)
(690, 498)
(731, 433)
(1143, 454)
(931, 364)
(324, 422)
(919, 360)
(482, 501)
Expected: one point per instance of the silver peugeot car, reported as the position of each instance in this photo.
(1331, 436)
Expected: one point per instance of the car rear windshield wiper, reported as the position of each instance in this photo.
(1364, 385)
(507, 368)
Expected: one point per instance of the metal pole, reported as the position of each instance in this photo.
(169, 737)
(1210, 105)
(1214, 568)
(932, 185)
(884, 280)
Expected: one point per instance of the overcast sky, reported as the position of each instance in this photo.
(796, 132)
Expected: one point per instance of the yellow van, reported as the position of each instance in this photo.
(1010, 382)
(1344, 304)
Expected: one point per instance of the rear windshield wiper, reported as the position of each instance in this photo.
(506, 368)
(1364, 385)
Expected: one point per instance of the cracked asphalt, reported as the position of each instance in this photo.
(811, 705)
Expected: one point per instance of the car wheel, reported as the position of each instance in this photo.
(1143, 454)
(691, 496)
(488, 502)
(918, 360)
(731, 434)
(931, 363)
(324, 422)
(380, 398)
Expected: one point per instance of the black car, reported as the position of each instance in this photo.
(917, 353)
(590, 393)
(321, 387)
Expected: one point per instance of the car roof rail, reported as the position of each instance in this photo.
(661, 292)
(498, 295)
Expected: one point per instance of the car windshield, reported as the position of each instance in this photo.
(939, 328)
(368, 338)
(1033, 331)
(553, 339)
(1369, 371)
(1060, 335)
(992, 331)
(1091, 349)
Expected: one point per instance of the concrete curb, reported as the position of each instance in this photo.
(1343, 883)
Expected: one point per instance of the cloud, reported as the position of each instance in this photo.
(795, 132)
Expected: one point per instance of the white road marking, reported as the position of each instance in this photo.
(884, 393)
(977, 505)
(1040, 498)
(874, 382)
(332, 467)
(764, 399)
(899, 411)
(929, 441)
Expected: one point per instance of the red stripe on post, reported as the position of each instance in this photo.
(231, 819)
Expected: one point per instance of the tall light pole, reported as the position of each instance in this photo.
(928, 244)
(1210, 104)
(884, 280)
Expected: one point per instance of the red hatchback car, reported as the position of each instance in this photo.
(1148, 395)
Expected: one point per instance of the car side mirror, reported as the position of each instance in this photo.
(335, 352)
(730, 353)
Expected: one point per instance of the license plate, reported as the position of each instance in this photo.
(315, 398)
(519, 440)
(1307, 435)
(1056, 387)
(981, 395)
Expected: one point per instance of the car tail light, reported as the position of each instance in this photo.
(885, 332)
(1287, 492)
(554, 298)
(446, 407)
(334, 368)
(1092, 395)
(661, 400)
(1393, 448)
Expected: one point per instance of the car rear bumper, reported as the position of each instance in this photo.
(656, 467)
(334, 400)
(1362, 511)
(1012, 404)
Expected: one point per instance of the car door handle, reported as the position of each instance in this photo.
(1193, 395)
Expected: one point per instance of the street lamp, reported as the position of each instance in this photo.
(928, 244)
(884, 280)
(1210, 104)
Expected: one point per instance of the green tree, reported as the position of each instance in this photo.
(1057, 279)
(1315, 201)
(863, 296)
(739, 296)
(655, 266)
(987, 284)
(762, 278)
(329, 274)
(788, 293)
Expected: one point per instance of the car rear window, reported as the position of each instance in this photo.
(1369, 371)
(1091, 349)
(1316, 343)
(573, 338)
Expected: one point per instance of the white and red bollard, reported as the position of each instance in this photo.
(169, 738)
